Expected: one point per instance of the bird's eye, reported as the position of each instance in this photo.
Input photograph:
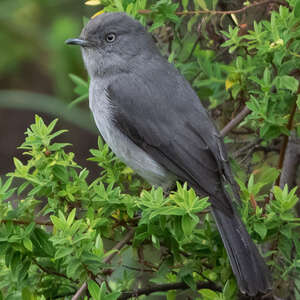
(110, 37)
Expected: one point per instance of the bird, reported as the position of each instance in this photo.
(154, 122)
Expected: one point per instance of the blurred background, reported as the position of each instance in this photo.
(34, 68)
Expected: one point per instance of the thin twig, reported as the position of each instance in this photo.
(235, 121)
(167, 287)
(247, 148)
(218, 12)
(52, 272)
(106, 260)
(119, 246)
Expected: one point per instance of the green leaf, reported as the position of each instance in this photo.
(22, 187)
(188, 224)
(71, 217)
(171, 295)
(287, 82)
(61, 173)
(112, 296)
(16, 263)
(298, 99)
(41, 243)
(261, 229)
(58, 223)
(73, 268)
(229, 290)
(6, 185)
(202, 4)
(78, 81)
(94, 290)
(29, 228)
(168, 211)
(23, 270)
(27, 244)
(189, 280)
(209, 294)
(18, 163)
(62, 252)
(27, 294)
(185, 4)
(119, 5)
(99, 249)
(297, 9)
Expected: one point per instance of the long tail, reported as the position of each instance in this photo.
(247, 264)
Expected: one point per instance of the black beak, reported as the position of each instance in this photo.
(79, 42)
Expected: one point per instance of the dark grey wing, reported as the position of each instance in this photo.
(161, 113)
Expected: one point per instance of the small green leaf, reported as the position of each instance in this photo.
(189, 280)
(202, 4)
(261, 229)
(27, 244)
(287, 82)
(188, 224)
(209, 294)
(168, 211)
(27, 294)
(58, 223)
(29, 228)
(94, 290)
(71, 217)
(185, 4)
(298, 97)
(61, 173)
(78, 81)
(229, 290)
(73, 268)
(297, 9)
(62, 252)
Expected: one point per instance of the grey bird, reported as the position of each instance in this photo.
(154, 122)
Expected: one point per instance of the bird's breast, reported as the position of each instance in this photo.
(127, 151)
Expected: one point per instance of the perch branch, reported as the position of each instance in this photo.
(290, 163)
(285, 141)
(167, 287)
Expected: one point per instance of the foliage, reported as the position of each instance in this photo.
(58, 228)
(48, 259)
(263, 71)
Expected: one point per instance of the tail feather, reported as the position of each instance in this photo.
(247, 264)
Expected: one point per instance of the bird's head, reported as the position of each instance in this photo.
(112, 42)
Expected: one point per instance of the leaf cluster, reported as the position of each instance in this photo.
(57, 229)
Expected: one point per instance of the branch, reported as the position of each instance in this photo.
(22, 222)
(167, 287)
(235, 121)
(290, 163)
(106, 260)
(218, 12)
(286, 139)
